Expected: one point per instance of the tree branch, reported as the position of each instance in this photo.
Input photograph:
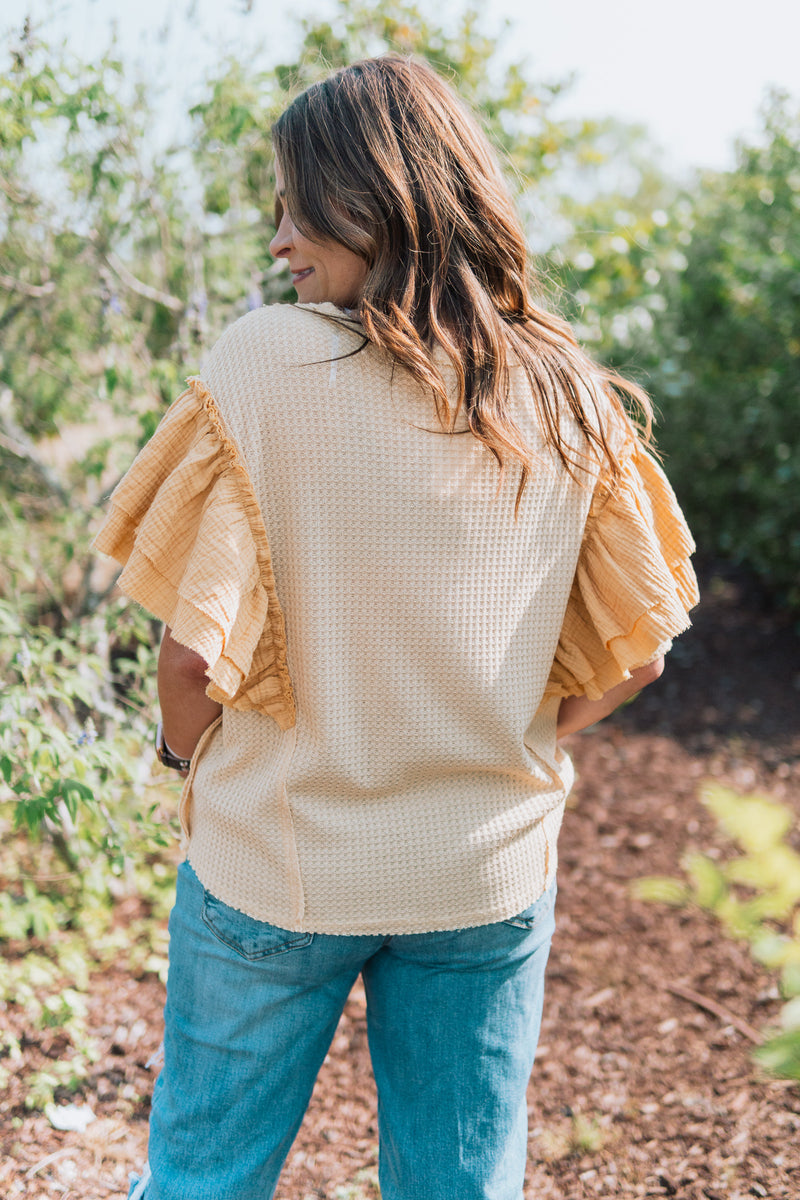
(11, 312)
(16, 442)
(719, 1010)
(142, 289)
(27, 289)
(14, 195)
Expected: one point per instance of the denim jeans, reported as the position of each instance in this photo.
(453, 1020)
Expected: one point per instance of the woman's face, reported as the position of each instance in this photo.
(320, 270)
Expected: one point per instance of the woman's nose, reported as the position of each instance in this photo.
(281, 244)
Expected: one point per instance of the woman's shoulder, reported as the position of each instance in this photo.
(274, 320)
(282, 333)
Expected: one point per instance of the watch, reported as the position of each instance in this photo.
(165, 755)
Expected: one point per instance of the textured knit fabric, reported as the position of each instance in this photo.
(389, 642)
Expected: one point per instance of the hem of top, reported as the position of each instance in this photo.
(473, 921)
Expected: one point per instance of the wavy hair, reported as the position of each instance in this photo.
(383, 158)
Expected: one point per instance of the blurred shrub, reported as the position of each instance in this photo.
(87, 819)
(731, 430)
(756, 896)
(75, 712)
(697, 294)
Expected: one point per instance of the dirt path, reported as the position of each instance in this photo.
(637, 1091)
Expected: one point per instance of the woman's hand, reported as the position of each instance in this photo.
(186, 711)
(576, 712)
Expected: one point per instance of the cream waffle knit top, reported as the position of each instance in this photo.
(389, 644)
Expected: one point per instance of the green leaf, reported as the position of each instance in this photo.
(74, 787)
(781, 1055)
(661, 889)
(772, 949)
(790, 979)
(756, 823)
(790, 1014)
(709, 887)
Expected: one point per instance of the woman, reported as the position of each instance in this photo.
(404, 537)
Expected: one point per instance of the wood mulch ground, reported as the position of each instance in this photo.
(637, 1090)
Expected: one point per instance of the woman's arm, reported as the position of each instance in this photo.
(576, 712)
(186, 711)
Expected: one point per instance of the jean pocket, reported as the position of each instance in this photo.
(537, 912)
(249, 938)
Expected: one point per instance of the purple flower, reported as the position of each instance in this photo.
(88, 735)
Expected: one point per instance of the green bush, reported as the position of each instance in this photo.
(75, 767)
(731, 431)
(756, 897)
(696, 294)
(87, 819)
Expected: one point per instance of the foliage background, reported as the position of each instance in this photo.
(122, 259)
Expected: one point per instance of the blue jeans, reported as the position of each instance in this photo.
(453, 1020)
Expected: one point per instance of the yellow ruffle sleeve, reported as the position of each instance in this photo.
(186, 525)
(634, 584)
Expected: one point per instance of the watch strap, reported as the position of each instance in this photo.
(165, 756)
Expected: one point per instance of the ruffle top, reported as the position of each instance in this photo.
(634, 584)
(388, 641)
(187, 527)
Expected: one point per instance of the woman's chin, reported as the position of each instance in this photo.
(306, 295)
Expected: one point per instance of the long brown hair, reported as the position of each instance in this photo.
(384, 159)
